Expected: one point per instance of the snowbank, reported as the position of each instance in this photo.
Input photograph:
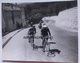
(68, 19)
(50, 20)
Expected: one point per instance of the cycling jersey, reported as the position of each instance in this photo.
(32, 31)
(45, 31)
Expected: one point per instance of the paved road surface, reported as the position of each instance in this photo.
(20, 49)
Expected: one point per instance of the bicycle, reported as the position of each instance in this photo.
(45, 42)
(31, 40)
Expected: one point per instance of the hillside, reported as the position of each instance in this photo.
(36, 11)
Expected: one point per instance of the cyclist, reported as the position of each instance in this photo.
(40, 24)
(31, 33)
(45, 33)
(31, 23)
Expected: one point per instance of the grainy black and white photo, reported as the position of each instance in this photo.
(40, 31)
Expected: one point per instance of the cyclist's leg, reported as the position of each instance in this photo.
(47, 40)
(29, 38)
(32, 42)
(44, 46)
(33, 38)
(45, 43)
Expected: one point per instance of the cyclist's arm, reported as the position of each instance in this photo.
(50, 35)
(35, 30)
(49, 32)
(28, 32)
(41, 33)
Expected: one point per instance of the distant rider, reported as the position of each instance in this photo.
(40, 24)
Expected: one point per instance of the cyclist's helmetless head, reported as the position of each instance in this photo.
(44, 25)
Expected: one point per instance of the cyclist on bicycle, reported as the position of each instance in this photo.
(45, 32)
(40, 24)
(32, 32)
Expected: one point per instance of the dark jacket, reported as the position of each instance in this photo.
(32, 31)
(45, 31)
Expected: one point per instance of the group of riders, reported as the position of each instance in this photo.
(45, 32)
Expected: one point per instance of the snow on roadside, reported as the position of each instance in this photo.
(49, 20)
(66, 19)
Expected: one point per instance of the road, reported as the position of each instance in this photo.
(19, 48)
